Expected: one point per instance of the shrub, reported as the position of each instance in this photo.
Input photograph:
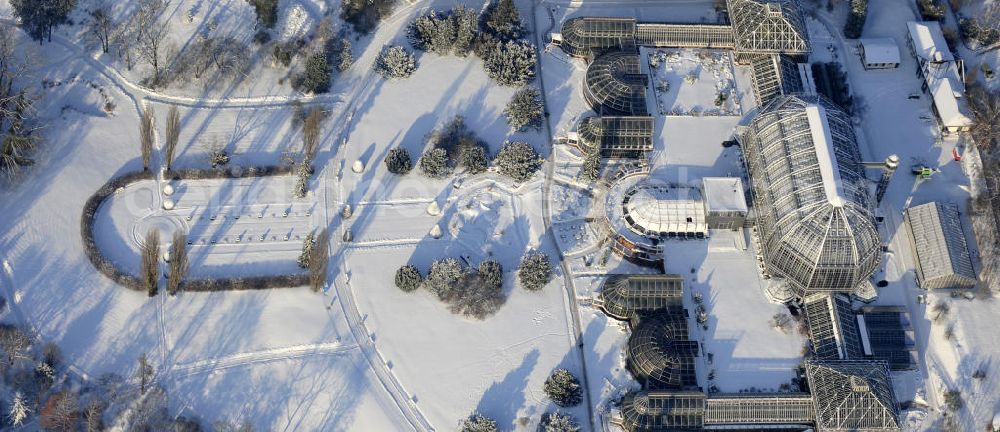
(525, 109)
(479, 423)
(346, 56)
(563, 388)
(282, 54)
(535, 271)
(408, 278)
(491, 272)
(394, 62)
(856, 19)
(518, 160)
(434, 163)
(398, 161)
(444, 277)
(316, 78)
(307, 247)
(557, 422)
(592, 166)
(474, 159)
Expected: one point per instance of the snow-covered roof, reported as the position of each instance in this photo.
(724, 194)
(656, 208)
(928, 41)
(947, 94)
(939, 242)
(833, 186)
(880, 50)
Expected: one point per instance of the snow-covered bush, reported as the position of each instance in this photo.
(525, 109)
(510, 63)
(592, 166)
(558, 422)
(316, 78)
(474, 159)
(491, 272)
(398, 161)
(346, 58)
(307, 247)
(503, 20)
(479, 423)
(518, 160)
(563, 388)
(394, 62)
(535, 271)
(408, 278)
(434, 163)
(445, 33)
(301, 181)
(444, 278)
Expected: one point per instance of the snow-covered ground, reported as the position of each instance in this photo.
(692, 82)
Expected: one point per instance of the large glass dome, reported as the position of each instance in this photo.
(814, 215)
(768, 26)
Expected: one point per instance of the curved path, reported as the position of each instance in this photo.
(574, 310)
(347, 101)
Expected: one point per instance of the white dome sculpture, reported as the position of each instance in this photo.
(168, 189)
(433, 208)
(358, 167)
(436, 231)
(168, 204)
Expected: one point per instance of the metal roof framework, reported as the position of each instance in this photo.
(615, 136)
(659, 354)
(814, 214)
(833, 328)
(615, 84)
(624, 296)
(771, 26)
(852, 396)
(759, 409)
(678, 411)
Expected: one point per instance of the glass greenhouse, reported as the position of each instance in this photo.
(615, 84)
(813, 213)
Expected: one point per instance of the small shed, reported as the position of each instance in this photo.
(725, 202)
(939, 246)
(879, 53)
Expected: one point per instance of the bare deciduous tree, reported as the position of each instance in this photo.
(310, 134)
(985, 108)
(61, 412)
(172, 135)
(102, 26)
(178, 262)
(151, 33)
(15, 343)
(150, 262)
(318, 261)
(93, 416)
(146, 136)
(16, 136)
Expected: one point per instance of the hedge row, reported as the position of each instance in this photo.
(127, 280)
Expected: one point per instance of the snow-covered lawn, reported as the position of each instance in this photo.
(688, 81)
(746, 351)
(249, 226)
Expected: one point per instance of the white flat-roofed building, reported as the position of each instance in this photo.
(879, 53)
(725, 202)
